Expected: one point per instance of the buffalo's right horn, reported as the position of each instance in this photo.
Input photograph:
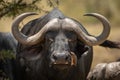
(36, 38)
(17, 34)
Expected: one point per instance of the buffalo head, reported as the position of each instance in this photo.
(61, 44)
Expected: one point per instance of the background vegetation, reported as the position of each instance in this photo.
(75, 9)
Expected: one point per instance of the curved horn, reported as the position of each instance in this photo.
(17, 34)
(32, 39)
(88, 39)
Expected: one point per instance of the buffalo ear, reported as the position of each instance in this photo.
(111, 44)
(81, 48)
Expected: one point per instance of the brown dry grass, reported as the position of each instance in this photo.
(102, 54)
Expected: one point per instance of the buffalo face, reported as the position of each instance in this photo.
(61, 48)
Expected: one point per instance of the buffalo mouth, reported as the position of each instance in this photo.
(61, 66)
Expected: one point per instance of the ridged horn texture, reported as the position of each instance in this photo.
(88, 39)
(34, 39)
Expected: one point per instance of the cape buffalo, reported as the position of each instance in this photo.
(7, 42)
(55, 47)
(105, 71)
(7, 50)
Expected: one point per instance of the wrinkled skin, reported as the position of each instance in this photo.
(105, 71)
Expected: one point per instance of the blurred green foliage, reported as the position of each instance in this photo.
(14, 7)
(6, 54)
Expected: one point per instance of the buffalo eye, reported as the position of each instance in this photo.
(71, 40)
(50, 35)
(71, 36)
(50, 39)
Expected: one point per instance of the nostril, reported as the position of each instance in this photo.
(54, 57)
(67, 58)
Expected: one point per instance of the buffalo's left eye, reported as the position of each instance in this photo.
(71, 36)
(71, 40)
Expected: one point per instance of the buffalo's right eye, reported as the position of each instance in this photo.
(50, 39)
(50, 35)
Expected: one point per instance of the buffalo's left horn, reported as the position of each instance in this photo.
(91, 40)
(86, 38)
